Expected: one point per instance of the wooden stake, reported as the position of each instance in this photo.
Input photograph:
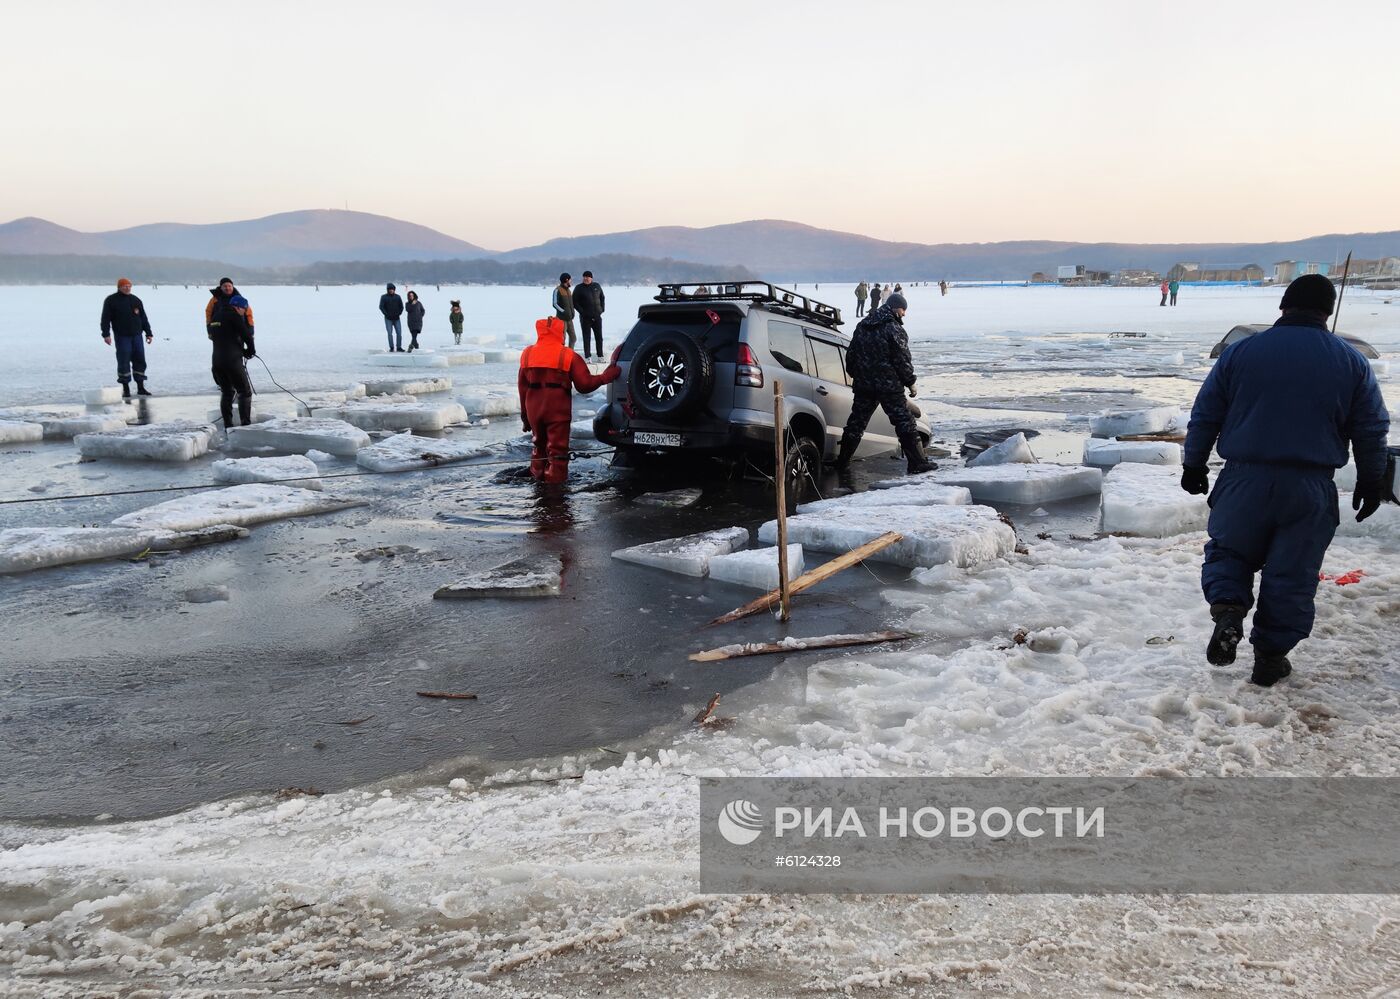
(707, 710)
(445, 695)
(808, 645)
(780, 488)
(1337, 313)
(814, 576)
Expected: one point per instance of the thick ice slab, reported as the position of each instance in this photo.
(415, 385)
(1148, 501)
(20, 432)
(179, 440)
(1105, 452)
(690, 555)
(457, 356)
(933, 535)
(254, 503)
(916, 490)
(405, 451)
(1120, 422)
(491, 400)
(296, 466)
(502, 356)
(1014, 450)
(301, 434)
(757, 567)
(107, 395)
(1028, 484)
(392, 413)
(418, 359)
(528, 576)
(23, 549)
(63, 422)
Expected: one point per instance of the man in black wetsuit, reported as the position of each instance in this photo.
(229, 323)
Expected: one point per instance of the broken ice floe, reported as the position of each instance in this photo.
(932, 535)
(420, 385)
(395, 413)
(1147, 500)
(756, 567)
(296, 466)
(253, 503)
(672, 499)
(491, 400)
(179, 440)
(690, 555)
(418, 359)
(528, 576)
(1121, 423)
(63, 422)
(1024, 484)
(20, 432)
(404, 452)
(1105, 452)
(918, 490)
(23, 549)
(1013, 450)
(300, 434)
(107, 395)
(457, 356)
(501, 356)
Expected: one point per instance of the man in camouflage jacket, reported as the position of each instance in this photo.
(881, 371)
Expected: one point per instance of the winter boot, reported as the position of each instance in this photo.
(847, 452)
(141, 388)
(914, 453)
(1229, 629)
(1269, 668)
(126, 390)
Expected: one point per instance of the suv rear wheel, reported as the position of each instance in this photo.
(802, 460)
(671, 376)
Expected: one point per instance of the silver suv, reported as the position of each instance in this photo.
(697, 374)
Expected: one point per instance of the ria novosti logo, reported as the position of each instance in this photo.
(740, 822)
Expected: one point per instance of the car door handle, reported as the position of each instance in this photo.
(821, 390)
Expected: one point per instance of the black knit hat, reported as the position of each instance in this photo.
(564, 277)
(1313, 292)
(225, 280)
(896, 301)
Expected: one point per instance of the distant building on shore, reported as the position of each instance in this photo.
(1286, 270)
(1193, 271)
(1135, 277)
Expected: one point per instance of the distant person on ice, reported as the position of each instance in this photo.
(1281, 407)
(1164, 289)
(862, 293)
(875, 296)
(391, 307)
(881, 370)
(415, 311)
(549, 374)
(590, 303)
(455, 317)
(1173, 288)
(563, 303)
(228, 319)
(124, 318)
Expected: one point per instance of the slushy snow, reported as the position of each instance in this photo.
(245, 505)
(404, 452)
(690, 555)
(180, 440)
(300, 434)
(1148, 500)
(296, 466)
(932, 535)
(756, 567)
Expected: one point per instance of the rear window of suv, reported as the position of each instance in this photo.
(721, 338)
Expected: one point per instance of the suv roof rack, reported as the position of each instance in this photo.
(761, 292)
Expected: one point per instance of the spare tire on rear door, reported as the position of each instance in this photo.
(671, 376)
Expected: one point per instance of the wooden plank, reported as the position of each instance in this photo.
(808, 645)
(707, 710)
(1168, 437)
(780, 489)
(814, 576)
(445, 695)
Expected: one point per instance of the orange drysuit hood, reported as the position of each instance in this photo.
(549, 350)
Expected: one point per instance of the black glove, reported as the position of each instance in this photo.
(525, 426)
(249, 354)
(1366, 500)
(911, 391)
(1194, 480)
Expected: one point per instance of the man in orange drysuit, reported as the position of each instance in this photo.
(549, 372)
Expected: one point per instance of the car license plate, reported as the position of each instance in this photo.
(659, 440)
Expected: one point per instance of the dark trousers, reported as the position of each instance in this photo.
(392, 329)
(131, 357)
(1173, 296)
(863, 407)
(595, 325)
(231, 375)
(860, 306)
(413, 337)
(1276, 521)
(1164, 299)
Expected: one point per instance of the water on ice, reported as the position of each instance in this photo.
(1014, 450)
(528, 576)
(395, 413)
(756, 567)
(1148, 500)
(932, 535)
(179, 440)
(240, 470)
(690, 555)
(300, 434)
(403, 452)
(1025, 484)
(244, 505)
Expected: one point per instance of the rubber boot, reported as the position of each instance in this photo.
(914, 452)
(245, 410)
(226, 413)
(126, 390)
(1269, 668)
(1229, 629)
(846, 452)
(141, 388)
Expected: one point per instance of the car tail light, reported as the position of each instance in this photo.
(617, 352)
(746, 369)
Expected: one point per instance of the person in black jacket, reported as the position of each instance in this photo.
(881, 370)
(589, 303)
(229, 323)
(415, 312)
(124, 316)
(391, 307)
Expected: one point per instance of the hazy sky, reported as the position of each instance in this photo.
(509, 123)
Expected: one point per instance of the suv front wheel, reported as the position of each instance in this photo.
(802, 461)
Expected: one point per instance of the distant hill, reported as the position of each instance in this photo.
(287, 239)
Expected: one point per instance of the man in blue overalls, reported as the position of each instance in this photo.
(1283, 406)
